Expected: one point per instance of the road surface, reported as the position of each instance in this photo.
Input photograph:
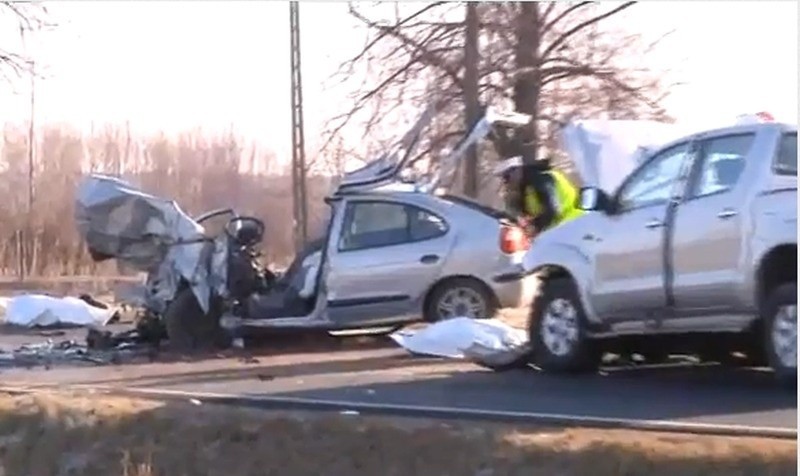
(377, 374)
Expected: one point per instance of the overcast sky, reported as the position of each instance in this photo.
(172, 66)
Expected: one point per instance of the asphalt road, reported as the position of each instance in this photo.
(374, 374)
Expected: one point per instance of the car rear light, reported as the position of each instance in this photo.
(513, 239)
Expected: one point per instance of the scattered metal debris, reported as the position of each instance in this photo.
(100, 348)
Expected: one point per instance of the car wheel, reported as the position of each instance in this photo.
(460, 297)
(558, 330)
(780, 336)
(189, 328)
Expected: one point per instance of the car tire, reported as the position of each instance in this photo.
(779, 314)
(189, 328)
(466, 292)
(557, 330)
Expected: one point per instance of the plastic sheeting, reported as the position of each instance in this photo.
(486, 341)
(33, 310)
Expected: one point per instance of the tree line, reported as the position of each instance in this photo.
(200, 173)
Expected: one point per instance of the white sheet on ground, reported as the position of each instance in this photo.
(487, 341)
(30, 310)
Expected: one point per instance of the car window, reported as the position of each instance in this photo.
(424, 225)
(786, 161)
(653, 183)
(722, 164)
(376, 224)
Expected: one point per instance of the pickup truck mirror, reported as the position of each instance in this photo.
(593, 199)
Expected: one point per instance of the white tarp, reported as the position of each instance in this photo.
(487, 341)
(35, 310)
(606, 151)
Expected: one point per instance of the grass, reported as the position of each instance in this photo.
(78, 434)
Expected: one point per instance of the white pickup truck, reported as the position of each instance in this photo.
(694, 250)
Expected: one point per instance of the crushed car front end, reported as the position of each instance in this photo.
(151, 235)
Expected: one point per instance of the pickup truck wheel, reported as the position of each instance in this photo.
(189, 328)
(558, 330)
(780, 337)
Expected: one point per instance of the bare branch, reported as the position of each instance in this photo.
(558, 42)
(581, 71)
(548, 25)
(419, 48)
(384, 33)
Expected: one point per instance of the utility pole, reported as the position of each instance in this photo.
(26, 238)
(300, 207)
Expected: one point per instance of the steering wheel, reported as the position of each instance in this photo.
(245, 231)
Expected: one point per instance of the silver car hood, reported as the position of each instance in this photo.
(150, 234)
(606, 151)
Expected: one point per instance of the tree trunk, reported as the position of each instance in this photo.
(471, 99)
(526, 86)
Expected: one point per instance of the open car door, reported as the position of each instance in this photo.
(388, 167)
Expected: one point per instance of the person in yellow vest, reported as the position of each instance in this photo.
(541, 196)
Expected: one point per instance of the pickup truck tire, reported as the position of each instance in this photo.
(780, 326)
(558, 330)
(189, 328)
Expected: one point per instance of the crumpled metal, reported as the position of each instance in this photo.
(150, 234)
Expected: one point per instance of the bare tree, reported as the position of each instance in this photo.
(551, 60)
(25, 17)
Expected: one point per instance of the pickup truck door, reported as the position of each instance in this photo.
(708, 236)
(629, 259)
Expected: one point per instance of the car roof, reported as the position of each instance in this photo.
(739, 128)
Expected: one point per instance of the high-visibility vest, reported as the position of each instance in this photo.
(566, 194)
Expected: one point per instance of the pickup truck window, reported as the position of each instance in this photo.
(652, 184)
(786, 161)
(722, 161)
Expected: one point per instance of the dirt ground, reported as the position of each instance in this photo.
(78, 434)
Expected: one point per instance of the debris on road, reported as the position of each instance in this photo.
(487, 342)
(100, 348)
(49, 352)
(39, 310)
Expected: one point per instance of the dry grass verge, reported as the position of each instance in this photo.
(84, 435)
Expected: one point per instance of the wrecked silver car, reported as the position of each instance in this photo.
(395, 251)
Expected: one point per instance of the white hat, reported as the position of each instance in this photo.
(508, 164)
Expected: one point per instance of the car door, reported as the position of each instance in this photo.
(386, 256)
(629, 262)
(708, 232)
